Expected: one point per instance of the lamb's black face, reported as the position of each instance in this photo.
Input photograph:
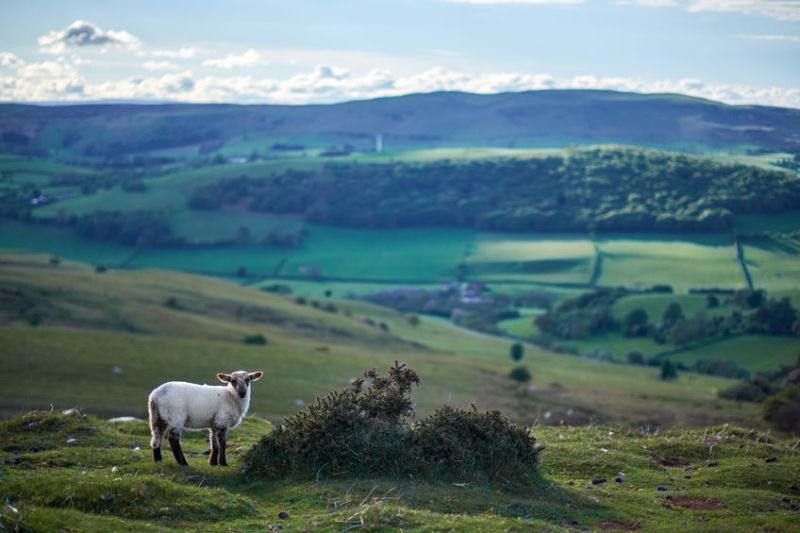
(240, 384)
(240, 380)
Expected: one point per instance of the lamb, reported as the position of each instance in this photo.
(176, 405)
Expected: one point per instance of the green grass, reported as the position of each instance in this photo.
(359, 255)
(616, 344)
(215, 226)
(774, 265)
(318, 289)
(753, 352)
(105, 480)
(60, 242)
(672, 260)
(759, 222)
(523, 326)
(655, 305)
(543, 258)
(91, 322)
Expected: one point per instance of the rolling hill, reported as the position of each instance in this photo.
(442, 119)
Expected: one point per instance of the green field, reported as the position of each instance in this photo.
(774, 265)
(655, 305)
(678, 261)
(753, 352)
(537, 258)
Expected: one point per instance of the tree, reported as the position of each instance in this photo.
(712, 301)
(776, 317)
(517, 351)
(635, 357)
(668, 371)
(636, 322)
(672, 313)
(521, 374)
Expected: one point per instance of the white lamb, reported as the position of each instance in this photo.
(177, 405)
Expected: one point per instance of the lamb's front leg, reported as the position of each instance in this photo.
(222, 437)
(213, 458)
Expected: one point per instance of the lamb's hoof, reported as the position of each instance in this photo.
(157, 455)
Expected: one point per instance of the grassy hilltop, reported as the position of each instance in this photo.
(76, 473)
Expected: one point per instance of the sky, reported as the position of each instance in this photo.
(323, 51)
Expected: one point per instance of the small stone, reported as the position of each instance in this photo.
(619, 479)
(114, 468)
(71, 440)
(770, 459)
(712, 464)
(662, 488)
(34, 449)
(283, 515)
(599, 481)
(794, 488)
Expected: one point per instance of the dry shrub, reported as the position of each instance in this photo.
(366, 429)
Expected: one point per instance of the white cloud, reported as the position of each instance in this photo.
(790, 38)
(59, 80)
(8, 59)
(82, 34)
(777, 9)
(247, 59)
(181, 53)
(160, 65)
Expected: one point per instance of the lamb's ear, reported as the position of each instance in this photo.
(255, 376)
(225, 378)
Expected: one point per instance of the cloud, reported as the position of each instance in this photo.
(777, 9)
(246, 59)
(181, 53)
(59, 80)
(8, 59)
(81, 34)
(160, 65)
(790, 38)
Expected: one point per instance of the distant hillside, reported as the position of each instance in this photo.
(527, 119)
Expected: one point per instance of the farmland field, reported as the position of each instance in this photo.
(677, 261)
(774, 265)
(753, 352)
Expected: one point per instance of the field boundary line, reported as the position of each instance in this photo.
(740, 258)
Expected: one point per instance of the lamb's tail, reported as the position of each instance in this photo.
(156, 423)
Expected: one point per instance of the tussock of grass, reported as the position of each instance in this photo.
(365, 430)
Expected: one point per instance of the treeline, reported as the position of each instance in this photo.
(587, 189)
(591, 314)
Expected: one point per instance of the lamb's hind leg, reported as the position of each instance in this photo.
(213, 458)
(175, 444)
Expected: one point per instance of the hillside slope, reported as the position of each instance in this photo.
(527, 119)
(71, 326)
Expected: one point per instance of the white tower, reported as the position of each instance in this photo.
(379, 143)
